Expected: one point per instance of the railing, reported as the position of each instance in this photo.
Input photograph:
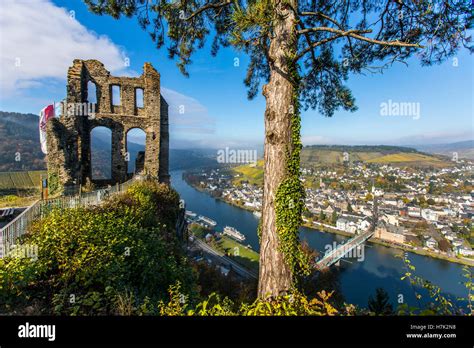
(41, 208)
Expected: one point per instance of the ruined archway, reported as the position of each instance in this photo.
(136, 141)
(101, 153)
(123, 103)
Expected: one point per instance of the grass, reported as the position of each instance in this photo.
(16, 201)
(238, 252)
(6, 181)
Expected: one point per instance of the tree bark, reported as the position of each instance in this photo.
(275, 276)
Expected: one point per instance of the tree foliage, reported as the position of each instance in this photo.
(334, 38)
(380, 305)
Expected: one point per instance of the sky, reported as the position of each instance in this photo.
(40, 38)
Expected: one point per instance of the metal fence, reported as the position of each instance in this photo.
(41, 208)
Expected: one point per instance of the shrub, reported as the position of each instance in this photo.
(89, 259)
(293, 304)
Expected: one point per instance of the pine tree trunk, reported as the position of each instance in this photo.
(275, 276)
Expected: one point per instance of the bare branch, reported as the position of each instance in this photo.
(355, 34)
(324, 41)
(322, 15)
(207, 7)
(316, 44)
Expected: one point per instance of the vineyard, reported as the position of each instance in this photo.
(21, 180)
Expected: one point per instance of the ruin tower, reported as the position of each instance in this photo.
(69, 136)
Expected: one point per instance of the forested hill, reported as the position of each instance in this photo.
(19, 133)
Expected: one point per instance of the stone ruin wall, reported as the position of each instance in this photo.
(69, 137)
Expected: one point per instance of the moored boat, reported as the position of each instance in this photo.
(207, 221)
(232, 232)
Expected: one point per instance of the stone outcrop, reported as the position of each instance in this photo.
(69, 136)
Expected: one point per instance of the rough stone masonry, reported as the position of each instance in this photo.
(69, 136)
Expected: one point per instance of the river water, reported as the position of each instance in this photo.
(380, 266)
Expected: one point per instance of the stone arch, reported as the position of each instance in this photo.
(101, 153)
(135, 147)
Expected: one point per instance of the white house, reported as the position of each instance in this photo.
(347, 225)
(414, 212)
(431, 243)
(363, 225)
(464, 251)
(428, 214)
(390, 219)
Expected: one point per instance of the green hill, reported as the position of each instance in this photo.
(395, 155)
(251, 173)
(334, 155)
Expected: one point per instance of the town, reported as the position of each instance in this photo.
(425, 210)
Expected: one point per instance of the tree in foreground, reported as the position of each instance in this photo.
(380, 305)
(301, 53)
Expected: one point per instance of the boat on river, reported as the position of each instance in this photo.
(207, 221)
(232, 232)
(257, 214)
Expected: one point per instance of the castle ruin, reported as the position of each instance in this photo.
(139, 105)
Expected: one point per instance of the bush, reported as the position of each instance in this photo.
(91, 259)
(293, 304)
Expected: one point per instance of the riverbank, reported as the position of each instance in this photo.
(325, 228)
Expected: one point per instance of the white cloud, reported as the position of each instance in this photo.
(38, 43)
(39, 40)
(187, 115)
(316, 140)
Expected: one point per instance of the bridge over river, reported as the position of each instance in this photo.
(333, 256)
(336, 254)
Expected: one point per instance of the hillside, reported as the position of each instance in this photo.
(19, 134)
(333, 155)
(395, 155)
(21, 180)
(464, 149)
(251, 173)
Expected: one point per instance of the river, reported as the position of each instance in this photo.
(358, 279)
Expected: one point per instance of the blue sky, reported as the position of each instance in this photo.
(217, 112)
